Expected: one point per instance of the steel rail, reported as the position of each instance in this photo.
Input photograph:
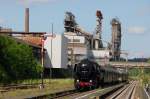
(98, 92)
(127, 92)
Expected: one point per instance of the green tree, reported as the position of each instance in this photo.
(16, 60)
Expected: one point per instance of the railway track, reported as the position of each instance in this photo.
(126, 92)
(54, 95)
(147, 93)
(90, 94)
(73, 94)
(18, 86)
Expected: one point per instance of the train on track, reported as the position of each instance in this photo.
(89, 74)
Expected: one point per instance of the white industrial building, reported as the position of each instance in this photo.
(100, 56)
(56, 51)
(77, 47)
(69, 48)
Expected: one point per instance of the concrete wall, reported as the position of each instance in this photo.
(99, 53)
(100, 56)
(56, 55)
(64, 51)
(75, 39)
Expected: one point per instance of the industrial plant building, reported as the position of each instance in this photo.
(75, 44)
(90, 45)
(5, 29)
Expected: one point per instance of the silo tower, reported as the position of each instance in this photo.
(116, 38)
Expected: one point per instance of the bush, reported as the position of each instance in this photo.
(16, 61)
(140, 74)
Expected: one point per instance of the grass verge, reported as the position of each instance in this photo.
(52, 86)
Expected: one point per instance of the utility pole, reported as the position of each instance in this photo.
(142, 64)
(51, 51)
(42, 62)
(126, 62)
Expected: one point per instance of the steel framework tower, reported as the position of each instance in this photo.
(98, 31)
(69, 22)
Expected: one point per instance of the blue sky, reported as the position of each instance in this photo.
(133, 14)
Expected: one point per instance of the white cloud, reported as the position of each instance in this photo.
(137, 30)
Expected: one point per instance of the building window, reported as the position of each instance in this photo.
(76, 40)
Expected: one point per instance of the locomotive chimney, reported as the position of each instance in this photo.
(27, 20)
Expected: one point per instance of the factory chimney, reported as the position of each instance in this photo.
(27, 20)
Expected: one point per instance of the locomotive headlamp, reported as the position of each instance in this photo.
(90, 80)
(83, 65)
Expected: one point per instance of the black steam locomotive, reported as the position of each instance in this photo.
(89, 74)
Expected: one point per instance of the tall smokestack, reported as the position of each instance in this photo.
(27, 20)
